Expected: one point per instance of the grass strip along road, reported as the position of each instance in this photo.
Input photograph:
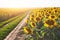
(5, 30)
(7, 21)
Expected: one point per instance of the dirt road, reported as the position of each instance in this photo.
(14, 32)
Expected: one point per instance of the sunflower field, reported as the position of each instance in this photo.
(43, 24)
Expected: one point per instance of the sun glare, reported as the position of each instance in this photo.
(29, 3)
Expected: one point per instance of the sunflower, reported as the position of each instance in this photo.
(28, 30)
(31, 15)
(49, 11)
(49, 23)
(55, 11)
(37, 19)
(53, 17)
(26, 21)
(31, 19)
(47, 15)
(39, 15)
(33, 24)
(58, 17)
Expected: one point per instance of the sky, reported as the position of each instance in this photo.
(29, 3)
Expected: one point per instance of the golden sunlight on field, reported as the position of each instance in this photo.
(6, 13)
(9, 19)
(12, 10)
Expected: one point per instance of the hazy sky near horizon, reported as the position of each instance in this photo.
(29, 3)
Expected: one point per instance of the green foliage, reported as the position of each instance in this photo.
(5, 30)
(7, 21)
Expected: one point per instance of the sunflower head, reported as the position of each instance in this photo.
(37, 19)
(58, 17)
(53, 17)
(31, 15)
(33, 24)
(40, 15)
(28, 30)
(26, 21)
(31, 19)
(50, 23)
(46, 16)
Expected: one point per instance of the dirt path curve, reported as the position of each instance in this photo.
(13, 33)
